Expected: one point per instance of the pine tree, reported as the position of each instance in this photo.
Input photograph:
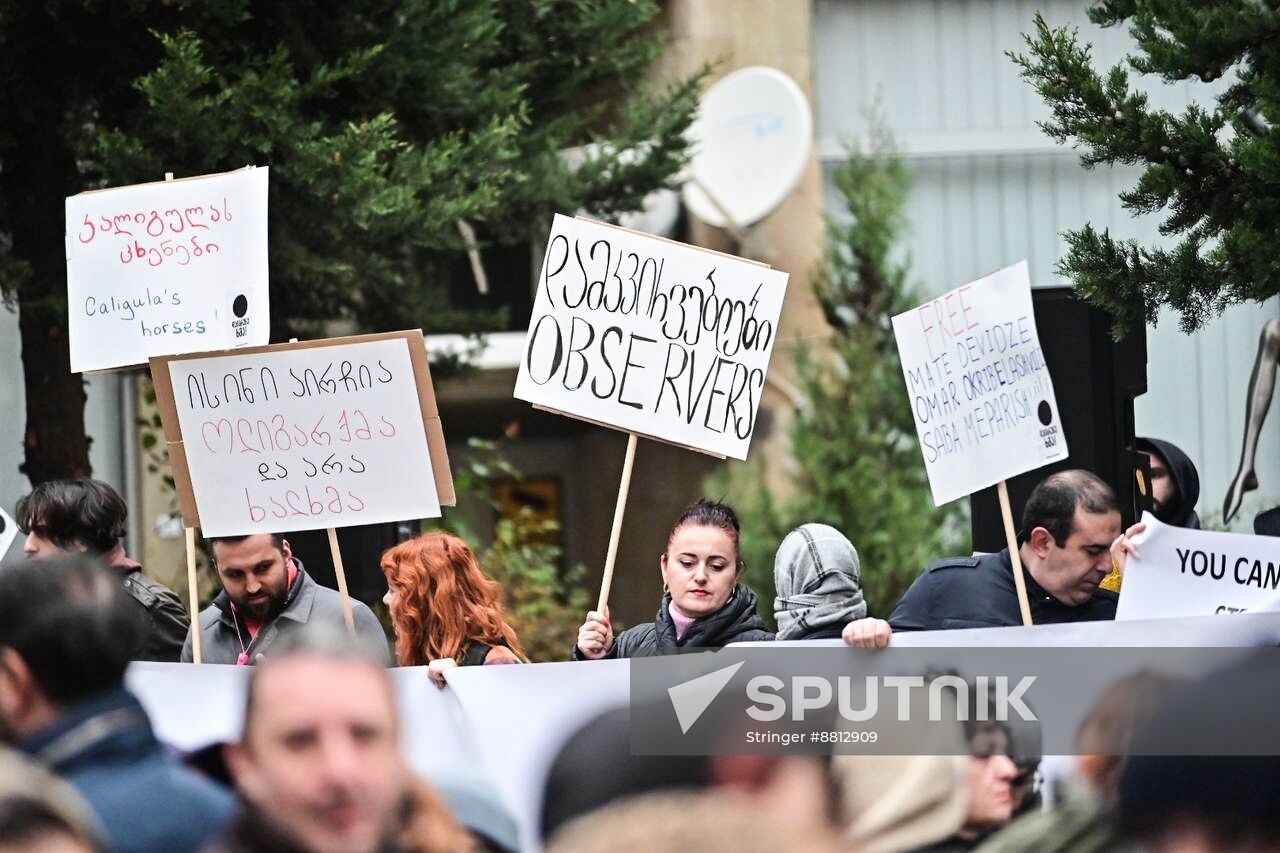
(385, 124)
(855, 462)
(1211, 171)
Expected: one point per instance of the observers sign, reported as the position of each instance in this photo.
(328, 433)
(168, 267)
(651, 336)
(980, 391)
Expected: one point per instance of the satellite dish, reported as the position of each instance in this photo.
(751, 143)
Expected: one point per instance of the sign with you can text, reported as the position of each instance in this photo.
(978, 384)
(167, 267)
(651, 336)
(302, 436)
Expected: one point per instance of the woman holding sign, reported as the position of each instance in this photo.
(703, 604)
(446, 612)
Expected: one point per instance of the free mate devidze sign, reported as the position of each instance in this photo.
(167, 267)
(651, 336)
(980, 391)
(301, 436)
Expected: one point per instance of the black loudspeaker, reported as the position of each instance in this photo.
(1095, 380)
(361, 548)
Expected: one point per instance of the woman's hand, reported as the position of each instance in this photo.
(867, 633)
(1123, 547)
(437, 668)
(595, 637)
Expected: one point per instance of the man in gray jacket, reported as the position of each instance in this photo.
(266, 596)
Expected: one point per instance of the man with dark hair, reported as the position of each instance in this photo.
(66, 631)
(88, 516)
(266, 596)
(1070, 525)
(1175, 483)
(318, 764)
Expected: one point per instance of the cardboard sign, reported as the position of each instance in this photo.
(329, 433)
(650, 336)
(168, 267)
(8, 532)
(1185, 572)
(980, 391)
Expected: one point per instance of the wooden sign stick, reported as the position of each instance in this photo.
(341, 574)
(616, 533)
(1012, 539)
(194, 593)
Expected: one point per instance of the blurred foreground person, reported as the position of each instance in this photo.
(683, 821)
(319, 765)
(1083, 819)
(88, 516)
(703, 604)
(819, 582)
(66, 631)
(266, 596)
(39, 813)
(445, 610)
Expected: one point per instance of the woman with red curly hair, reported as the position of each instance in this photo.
(446, 612)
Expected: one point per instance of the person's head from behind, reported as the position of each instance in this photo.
(319, 756)
(1105, 736)
(254, 571)
(818, 578)
(701, 564)
(1068, 524)
(66, 634)
(67, 516)
(29, 824)
(439, 599)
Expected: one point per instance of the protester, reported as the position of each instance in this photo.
(266, 596)
(1175, 483)
(66, 631)
(703, 603)
(989, 781)
(318, 765)
(1083, 818)
(445, 610)
(1069, 539)
(819, 584)
(88, 516)
(40, 813)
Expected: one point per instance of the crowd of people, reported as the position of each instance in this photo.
(318, 765)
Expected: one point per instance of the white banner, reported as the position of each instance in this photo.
(1185, 572)
(304, 437)
(8, 532)
(980, 391)
(651, 336)
(168, 267)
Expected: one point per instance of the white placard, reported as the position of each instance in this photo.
(651, 337)
(980, 392)
(1184, 572)
(168, 267)
(304, 438)
(8, 532)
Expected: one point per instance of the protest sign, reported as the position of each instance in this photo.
(980, 391)
(650, 336)
(328, 433)
(1182, 572)
(167, 267)
(8, 532)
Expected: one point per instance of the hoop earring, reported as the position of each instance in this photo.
(665, 591)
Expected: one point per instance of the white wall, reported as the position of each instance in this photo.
(991, 189)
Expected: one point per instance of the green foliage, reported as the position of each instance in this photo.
(1209, 171)
(543, 603)
(855, 463)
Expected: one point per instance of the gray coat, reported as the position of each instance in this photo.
(307, 601)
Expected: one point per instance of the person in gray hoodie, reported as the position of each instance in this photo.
(819, 583)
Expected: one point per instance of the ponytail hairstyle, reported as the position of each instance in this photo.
(446, 603)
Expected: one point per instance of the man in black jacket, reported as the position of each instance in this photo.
(88, 516)
(1070, 528)
(1175, 484)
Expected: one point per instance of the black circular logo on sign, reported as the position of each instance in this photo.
(1045, 413)
(240, 306)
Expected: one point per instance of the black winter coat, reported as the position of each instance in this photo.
(736, 622)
